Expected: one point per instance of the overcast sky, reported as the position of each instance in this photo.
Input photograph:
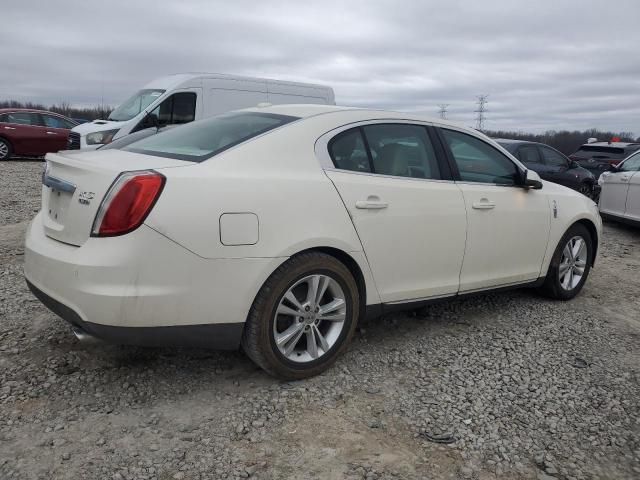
(544, 64)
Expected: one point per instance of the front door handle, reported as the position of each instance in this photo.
(483, 204)
(9, 128)
(371, 203)
(51, 133)
(624, 178)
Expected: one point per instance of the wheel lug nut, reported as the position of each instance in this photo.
(307, 308)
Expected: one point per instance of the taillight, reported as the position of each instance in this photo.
(127, 203)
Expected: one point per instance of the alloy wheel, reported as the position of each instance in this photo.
(573, 263)
(4, 150)
(309, 318)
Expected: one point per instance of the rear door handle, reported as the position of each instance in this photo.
(371, 203)
(624, 178)
(483, 204)
(51, 133)
(9, 128)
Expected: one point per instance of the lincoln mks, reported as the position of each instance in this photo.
(276, 229)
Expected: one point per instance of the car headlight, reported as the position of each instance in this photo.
(101, 138)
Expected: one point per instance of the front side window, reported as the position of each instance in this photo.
(201, 140)
(177, 109)
(478, 161)
(52, 121)
(631, 164)
(553, 158)
(135, 104)
(529, 154)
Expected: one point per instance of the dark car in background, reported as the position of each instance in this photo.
(598, 157)
(552, 165)
(34, 133)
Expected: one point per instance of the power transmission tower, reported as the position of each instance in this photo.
(482, 109)
(443, 110)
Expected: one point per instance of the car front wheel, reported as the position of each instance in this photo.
(570, 264)
(303, 317)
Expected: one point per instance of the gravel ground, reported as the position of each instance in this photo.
(495, 386)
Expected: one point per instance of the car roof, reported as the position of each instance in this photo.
(28, 110)
(512, 141)
(611, 144)
(312, 110)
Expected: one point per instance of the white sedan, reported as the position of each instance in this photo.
(278, 228)
(620, 195)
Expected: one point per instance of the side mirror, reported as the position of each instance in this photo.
(532, 180)
(612, 168)
(573, 164)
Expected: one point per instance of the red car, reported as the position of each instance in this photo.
(34, 133)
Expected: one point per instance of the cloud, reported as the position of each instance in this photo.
(545, 65)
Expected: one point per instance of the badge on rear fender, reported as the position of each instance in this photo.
(85, 197)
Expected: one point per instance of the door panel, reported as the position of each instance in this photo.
(507, 226)
(632, 210)
(507, 234)
(413, 232)
(613, 196)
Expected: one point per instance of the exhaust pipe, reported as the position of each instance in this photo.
(84, 337)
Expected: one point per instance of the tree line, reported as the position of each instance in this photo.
(87, 113)
(565, 141)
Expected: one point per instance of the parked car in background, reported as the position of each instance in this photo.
(620, 196)
(279, 228)
(185, 97)
(597, 157)
(552, 165)
(34, 133)
(80, 121)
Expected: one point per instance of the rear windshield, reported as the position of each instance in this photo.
(198, 141)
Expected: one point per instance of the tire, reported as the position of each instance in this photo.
(5, 149)
(586, 189)
(559, 286)
(272, 315)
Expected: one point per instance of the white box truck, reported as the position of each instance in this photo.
(185, 97)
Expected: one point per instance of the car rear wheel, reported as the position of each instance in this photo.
(570, 264)
(303, 317)
(5, 149)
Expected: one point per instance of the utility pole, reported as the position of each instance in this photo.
(480, 117)
(443, 110)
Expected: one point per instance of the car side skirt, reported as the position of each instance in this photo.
(378, 310)
(616, 218)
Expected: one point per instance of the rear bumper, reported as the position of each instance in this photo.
(142, 288)
(222, 336)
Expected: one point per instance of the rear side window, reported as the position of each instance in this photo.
(553, 158)
(23, 118)
(201, 140)
(395, 149)
(478, 161)
(529, 154)
(348, 152)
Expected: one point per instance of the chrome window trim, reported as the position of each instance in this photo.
(322, 148)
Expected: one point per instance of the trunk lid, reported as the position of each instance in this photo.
(75, 183)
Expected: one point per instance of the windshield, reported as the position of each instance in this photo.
(134, 105)
(198, 141)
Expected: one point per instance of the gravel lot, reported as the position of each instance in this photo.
(496, 386)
